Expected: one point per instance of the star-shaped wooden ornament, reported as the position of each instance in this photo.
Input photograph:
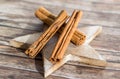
(83, 53)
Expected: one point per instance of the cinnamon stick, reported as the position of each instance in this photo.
(65, 37)
(78, 37)
(36, 47)
(44, 18)
(47, 13)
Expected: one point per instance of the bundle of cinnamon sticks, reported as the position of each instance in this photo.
(47, 17)
(68, 32)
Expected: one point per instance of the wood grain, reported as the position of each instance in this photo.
(36, 66)
(17, 18)
(12, 73)
(109, 37)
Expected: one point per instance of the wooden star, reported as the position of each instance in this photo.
(83, 53)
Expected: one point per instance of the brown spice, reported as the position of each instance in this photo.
(65, 37)
(78, 37)
(36, 47)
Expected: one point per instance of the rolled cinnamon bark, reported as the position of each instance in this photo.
(47, 13)
(78, 37)
(44, 18)
(36, 47)
(65, 37)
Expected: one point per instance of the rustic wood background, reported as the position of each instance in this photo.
(17, 18)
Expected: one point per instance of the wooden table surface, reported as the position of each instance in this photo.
(17, 19)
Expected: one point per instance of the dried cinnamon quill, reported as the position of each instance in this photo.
(78, 37)
(36, 47)
(66, 36)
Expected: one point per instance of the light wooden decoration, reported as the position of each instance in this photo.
(83, 53)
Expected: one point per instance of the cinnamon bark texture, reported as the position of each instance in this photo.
(36, 47)
(66, 36)
(78, 37)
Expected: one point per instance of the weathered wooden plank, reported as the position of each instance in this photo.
(7, 50)
(24, 17)
(68, 71)
(20, 60)
(20, 14)
(12, 73)
(15, 73)
(4, 42)
(97, 7)
(24, 25)
(86, 72)
(88, 18)
(111, 56)
(98, 1)
(65, 71)
(106, 40)
(13, 32)
(108, 55)
(30, 17)
(19, 63)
